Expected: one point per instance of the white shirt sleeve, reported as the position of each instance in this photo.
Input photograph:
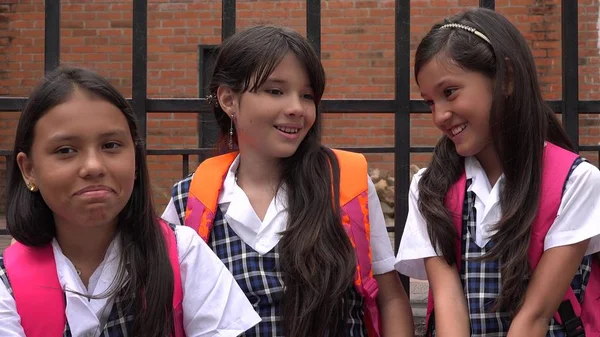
(381, 247)
(415, 245)
(11, 322)
(170, 213)
(213, 303)
(578, 216)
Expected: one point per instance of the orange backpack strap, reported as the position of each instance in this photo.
(203, 194)
(354, 196)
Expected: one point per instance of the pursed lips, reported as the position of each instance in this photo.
(94, 188)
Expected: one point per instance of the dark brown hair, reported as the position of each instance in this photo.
(317, 259)
(144, 254)
(519, 125)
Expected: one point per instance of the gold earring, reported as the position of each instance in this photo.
(31, 186)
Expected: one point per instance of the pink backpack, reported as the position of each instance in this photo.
(40, 299)
(577, 319)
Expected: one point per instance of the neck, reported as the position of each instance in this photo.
(84, 246)
(257, 170)
(490, 162)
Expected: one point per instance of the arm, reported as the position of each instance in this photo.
(170, 213)
(11, 322)
(549, 283)
(213, 303)
(394, 307)
(450, 305)
(575, 233)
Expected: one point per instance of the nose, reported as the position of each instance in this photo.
(441, 114)
(296, 106)
(92, 164)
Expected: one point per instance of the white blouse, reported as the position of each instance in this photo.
(213, 303)
(262, 236)
(576, 221)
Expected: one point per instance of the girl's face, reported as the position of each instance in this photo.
(82, 159)
(273, 121)
(460, 102)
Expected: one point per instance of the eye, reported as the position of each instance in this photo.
(65, 150)
(275, 92)
(449, 92)
(112, 145)
(308, 97)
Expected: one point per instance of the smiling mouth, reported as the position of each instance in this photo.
(458, 129)
(287, 130)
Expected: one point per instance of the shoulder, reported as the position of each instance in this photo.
(4, 276)
(585, 174)
(183, 185)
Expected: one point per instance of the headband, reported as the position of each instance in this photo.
(468, 29)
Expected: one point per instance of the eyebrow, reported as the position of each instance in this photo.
(275, 80)
(441, 83)
(59, 137)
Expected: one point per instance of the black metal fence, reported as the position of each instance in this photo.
(401, 106)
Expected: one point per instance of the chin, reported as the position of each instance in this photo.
(465, 151)
(285, 153)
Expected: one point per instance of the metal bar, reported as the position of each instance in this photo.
(489, 4)
(228, 18)
(196, 105)
(570, 84)
(204, 150)
(186, 165)
(208, 128)
(313, 24)
(4, 231)
(51, 35)
(587, 107)
(172, 152)
(8, 104)
(402, 123)
(589, 148)
(140, 63)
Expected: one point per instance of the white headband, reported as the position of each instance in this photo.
(468, 29)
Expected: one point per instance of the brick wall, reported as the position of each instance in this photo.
(357, 51)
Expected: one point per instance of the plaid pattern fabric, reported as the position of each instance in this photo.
(481, 279)
(3, 276)
(119, 322)
(259, 276)
(179, 194)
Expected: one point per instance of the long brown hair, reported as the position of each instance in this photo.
(317, 259)
(520, 123)
(144, 255)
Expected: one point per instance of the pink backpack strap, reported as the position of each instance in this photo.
(355, 219)
(38, 295)
(364, 282)
(171, 242)
(454, 203)
(40, 299)
(557, 164)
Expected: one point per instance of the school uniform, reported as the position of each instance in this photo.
(576, 221)
(213, 304)
(249, 247)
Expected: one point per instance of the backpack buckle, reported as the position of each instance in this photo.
(574, 327)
